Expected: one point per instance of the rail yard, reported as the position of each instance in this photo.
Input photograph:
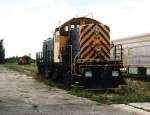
(74, 57)
(79, 72)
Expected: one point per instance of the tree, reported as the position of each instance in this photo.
(2, 52)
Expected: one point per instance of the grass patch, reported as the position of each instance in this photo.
(134, 91)
(27, 69)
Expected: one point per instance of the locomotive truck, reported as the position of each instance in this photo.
(80, 52)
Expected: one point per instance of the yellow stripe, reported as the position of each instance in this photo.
(104, 35)
(86, 36)
(92, 59)
(84, 60)
(89, 55)
(86, 50)
(105, 52)
(104, 27)
(94, 56)
(84, 31)
(103, 40)
(97, 59)
(83, 54)
(103, 47)
(87, 43)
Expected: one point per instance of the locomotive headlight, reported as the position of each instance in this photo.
(123, 69)
(115, 73)
(88, 73)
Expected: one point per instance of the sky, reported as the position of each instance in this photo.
(25, 24)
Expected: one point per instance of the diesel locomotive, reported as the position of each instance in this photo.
(80, 52)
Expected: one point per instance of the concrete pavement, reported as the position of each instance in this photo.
(23, 95)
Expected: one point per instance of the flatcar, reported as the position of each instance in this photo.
(79, 53)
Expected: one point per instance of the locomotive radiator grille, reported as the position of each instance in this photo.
(94, 43)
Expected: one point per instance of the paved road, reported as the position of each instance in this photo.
(22, 95)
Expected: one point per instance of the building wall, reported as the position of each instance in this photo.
(136, 52)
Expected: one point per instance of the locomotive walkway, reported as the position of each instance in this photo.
(22, 95)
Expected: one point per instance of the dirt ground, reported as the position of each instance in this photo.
(23, 95)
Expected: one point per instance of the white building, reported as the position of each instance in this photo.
(136, 52)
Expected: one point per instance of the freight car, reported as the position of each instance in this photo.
(136, 56)
(24, 60)
(79, 53)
